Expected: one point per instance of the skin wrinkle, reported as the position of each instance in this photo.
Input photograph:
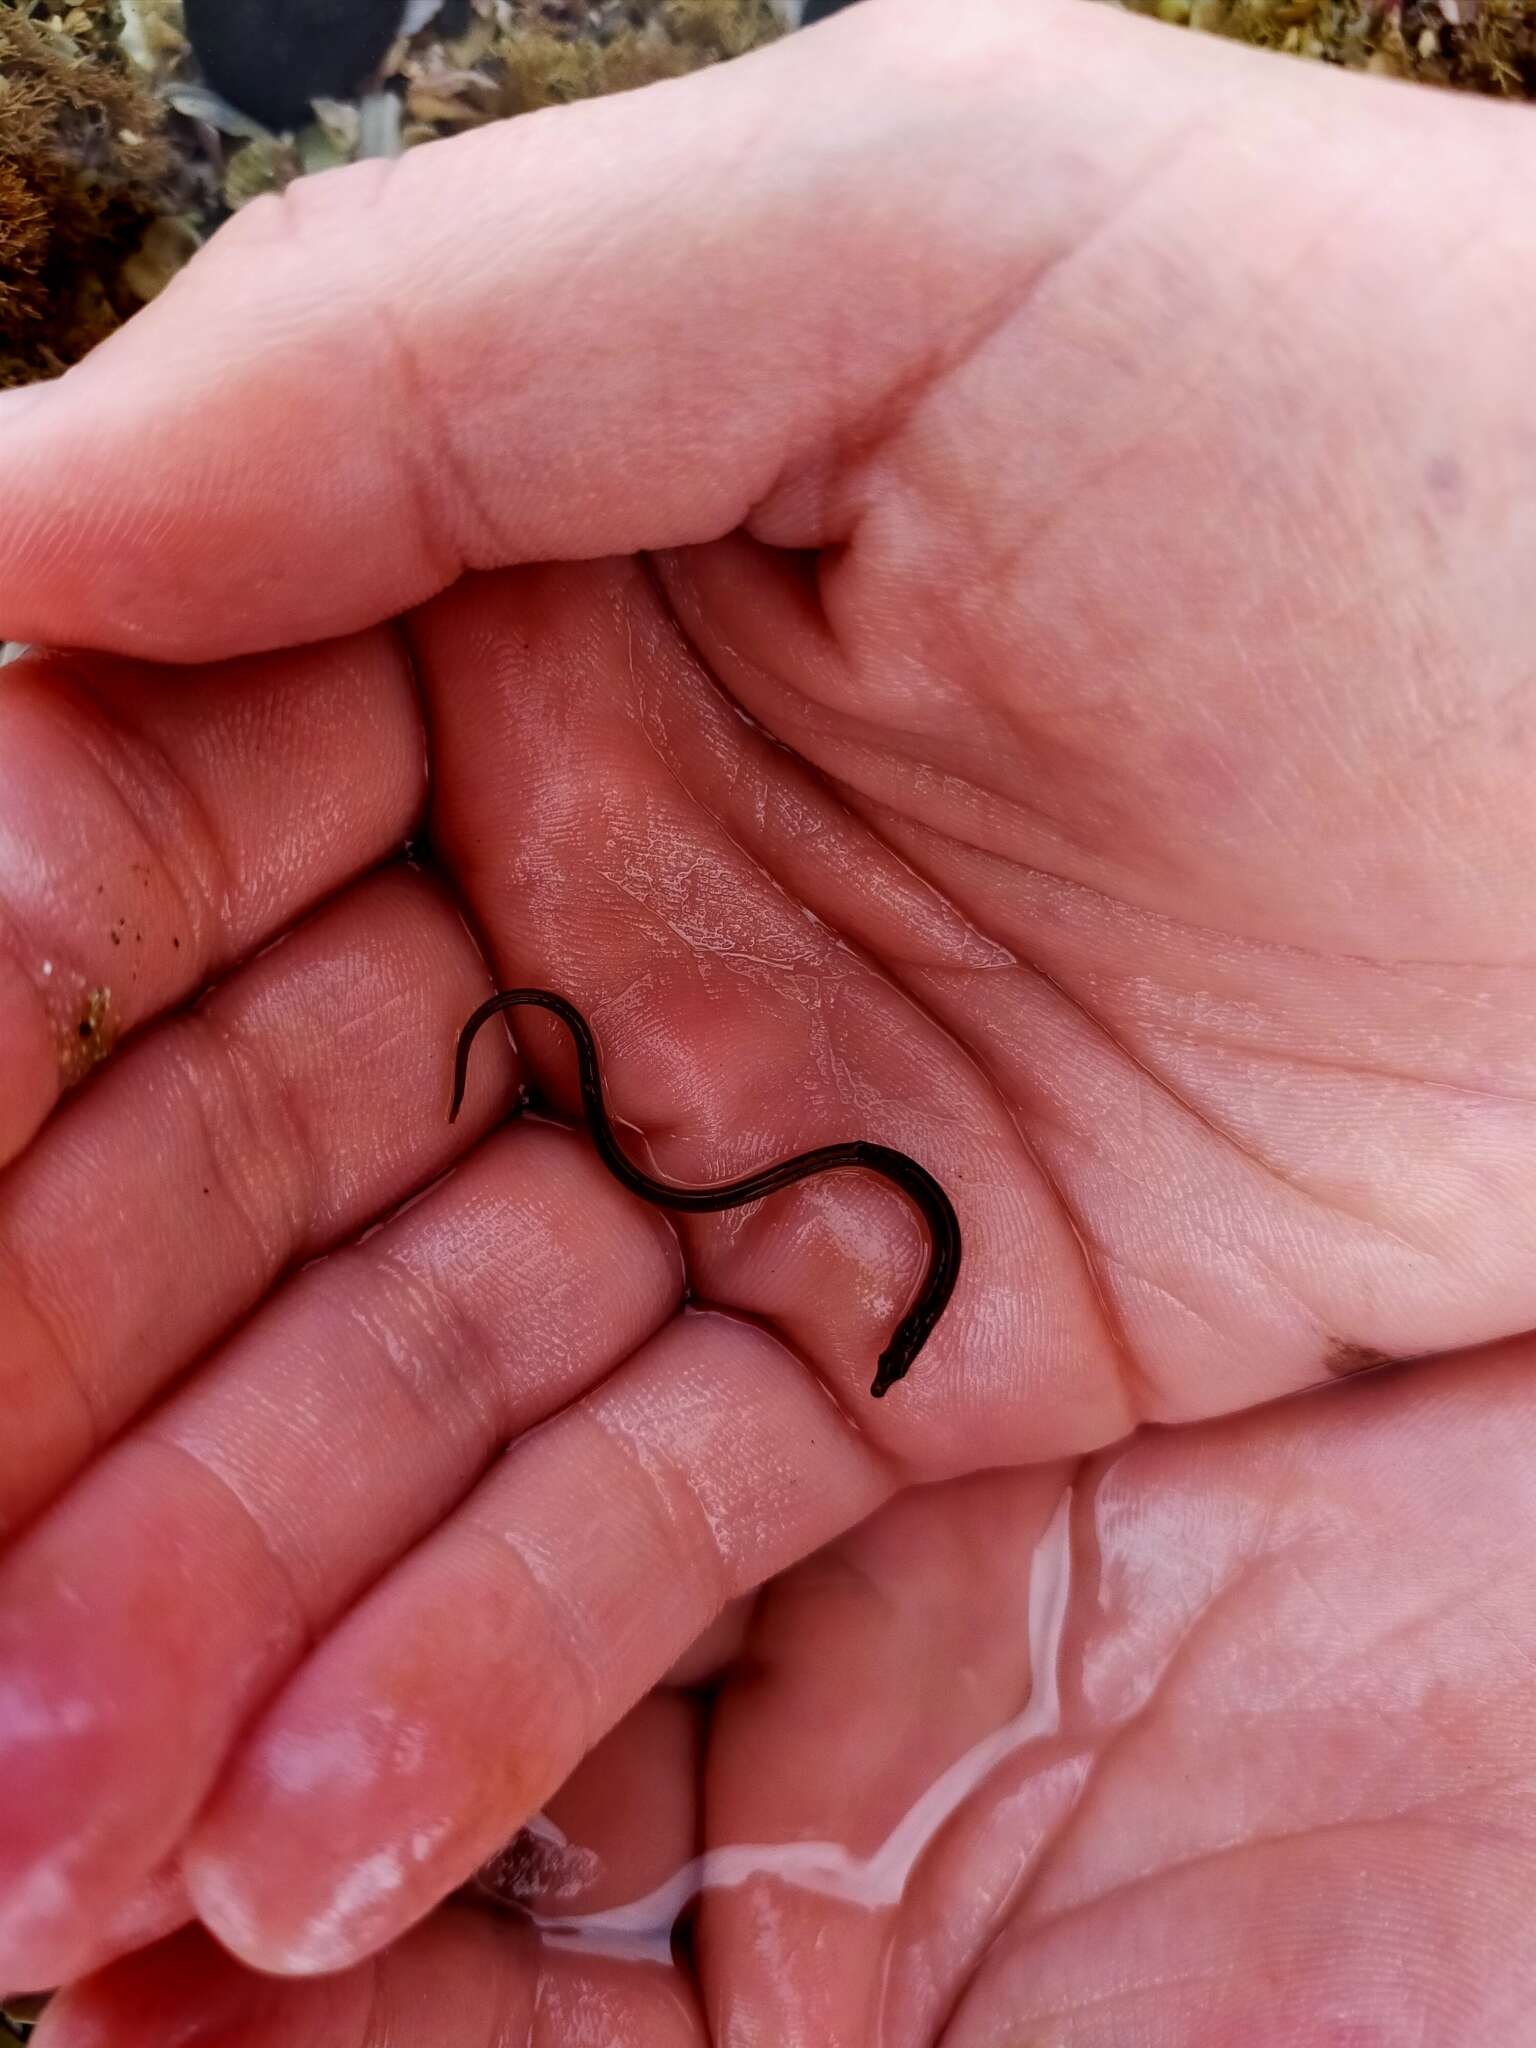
(202, 908)
(1166, 1089)
(296, 211)
(880, 967)
(824, 787)
(1420, 1811)
(1136, 1384)
(1047, 1855)
(1188, 932)
(702, 677)
(1134, 1381)
(1213, 1604)
(667, 1491)
(1319, 1063)
(449, 554)
(1107, 2000)
(1495, 1626)
(1133, 1377)
(1173, 398)
(305, 1626)
(1160, 1287)
(1203, 1229)
(1232, 1142)
(467, 1335)
(1470, 715)
(250, 1084)
(404, 1374)
(26, 962)
(900, 406)
(1006, 562)
(502, 1544)
(47, 1320)
(1453, 1599)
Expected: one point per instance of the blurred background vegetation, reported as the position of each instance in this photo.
(130, 128)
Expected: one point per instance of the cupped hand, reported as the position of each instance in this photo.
(1056, 702)
(1225, 1738)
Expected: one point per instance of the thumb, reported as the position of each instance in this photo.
(635, 323)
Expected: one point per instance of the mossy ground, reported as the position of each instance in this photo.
(1484, 46)
(89, 181)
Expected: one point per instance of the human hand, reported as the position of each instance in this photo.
(1129, 819)
(1222, 1738)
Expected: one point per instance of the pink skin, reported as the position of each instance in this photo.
(1132, 819)
(1272, 1784)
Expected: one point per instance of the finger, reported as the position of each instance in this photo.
(338, 1426)
(154, 830)
(322, 423)
(465, 1977)
(455, 1699)
(623, 1826)
(884, 1682)
(737, 1021)
(305, 1096)
(719, 1644)
(147, 1915)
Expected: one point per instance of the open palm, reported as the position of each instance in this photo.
(1099, 773)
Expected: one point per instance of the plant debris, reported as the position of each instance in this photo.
(86, 1035)
(91, 189)
(118, 157)
(18, 2016)
(1482, 46)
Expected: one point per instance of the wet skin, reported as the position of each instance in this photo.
(989, 689)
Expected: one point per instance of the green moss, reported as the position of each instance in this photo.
(1482, 46)
(115, 160)
(85, 172)
(720, 28)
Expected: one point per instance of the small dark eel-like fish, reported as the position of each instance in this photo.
(914, 1181)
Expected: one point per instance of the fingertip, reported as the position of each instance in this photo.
(227, 1899)
(288, 1913)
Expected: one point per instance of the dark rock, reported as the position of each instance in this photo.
(270, 58)
(817, 10)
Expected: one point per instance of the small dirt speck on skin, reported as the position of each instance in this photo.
(87, 1037)
(1345, 1360)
